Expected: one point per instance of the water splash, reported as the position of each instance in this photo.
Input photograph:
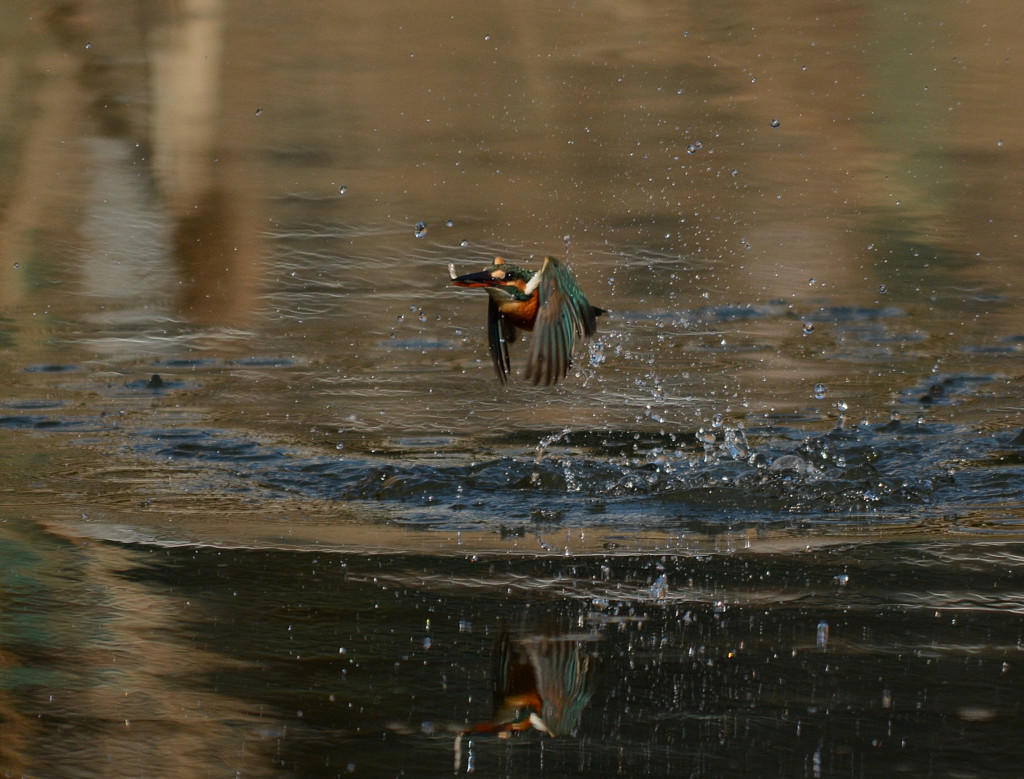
(821, 640)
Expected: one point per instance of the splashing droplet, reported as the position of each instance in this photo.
(822, 640)
(820, 390)
(808, 328)
(421, 229)
(659, 589)
(736, 445)
(882, 288)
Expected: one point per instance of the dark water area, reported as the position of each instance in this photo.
(265, 509)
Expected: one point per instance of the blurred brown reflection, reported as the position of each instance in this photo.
(16, 729)
(41, 105)
(135, 163)
(540, 681)
(102, 648)
(213, 208)
(645, 124)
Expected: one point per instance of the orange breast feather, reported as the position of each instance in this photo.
(521, 313)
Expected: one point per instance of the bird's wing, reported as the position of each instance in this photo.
(563, 315)
(499, 333)
(501, 666)
(566, 680)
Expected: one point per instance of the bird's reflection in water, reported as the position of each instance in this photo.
(540, 680)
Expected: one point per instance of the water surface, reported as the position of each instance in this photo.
(264, 506)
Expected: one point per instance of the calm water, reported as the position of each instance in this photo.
(779, 498)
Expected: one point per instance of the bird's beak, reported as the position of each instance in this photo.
(481, 279)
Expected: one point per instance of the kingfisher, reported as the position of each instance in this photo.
(539, 681)
(548, 302)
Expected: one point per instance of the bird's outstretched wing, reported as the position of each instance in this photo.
(564, 315)
(500, 333)
(566, 679)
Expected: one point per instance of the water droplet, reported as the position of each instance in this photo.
(882, 288)
(716, 421)
(596, 353)
(808, 328)
(464, 243)
(820, 390)
(811, 281)
(736, 444)
(487, 37)
(342, 189)
(17, 265)
(660, 587)
(886, 699)
(842, 579)
(775, 123)
(421, 229)
(259, 111)
(735, 172)
(822, 640)
(449, 223)
(89, 46)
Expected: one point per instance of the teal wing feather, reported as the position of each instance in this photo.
(566, 680)
(564, 315)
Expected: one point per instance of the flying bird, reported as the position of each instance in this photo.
(541, 682)
(547, 302)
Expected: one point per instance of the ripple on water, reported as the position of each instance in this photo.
(52, 368)
(882, 474)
